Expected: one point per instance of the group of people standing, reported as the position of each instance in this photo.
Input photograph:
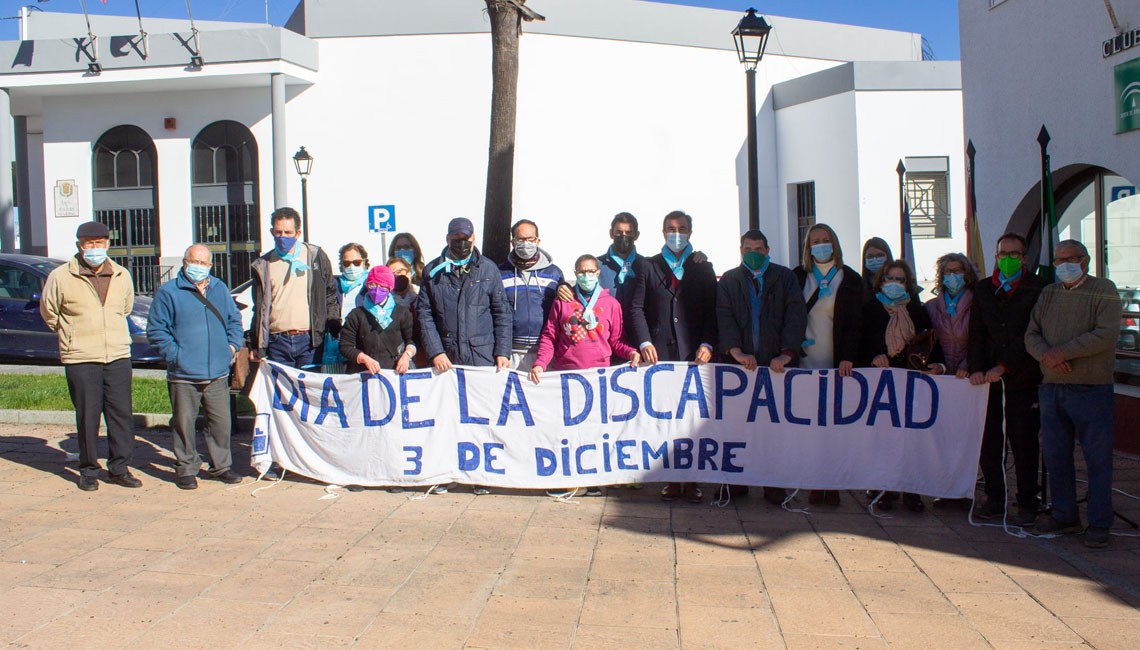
(1046, 351)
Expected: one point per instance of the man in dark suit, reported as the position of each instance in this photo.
(673, 312)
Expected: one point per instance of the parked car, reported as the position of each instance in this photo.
(24, 333)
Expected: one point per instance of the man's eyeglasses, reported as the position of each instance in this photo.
(1072, 259)
(1014, 254)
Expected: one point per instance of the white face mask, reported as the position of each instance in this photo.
(526, 250)
(676, 241)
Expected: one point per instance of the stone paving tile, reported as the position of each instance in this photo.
(820, 611)
(515, 569)
(630, 603)
(391, 631)
(728, 628)
(601, 637)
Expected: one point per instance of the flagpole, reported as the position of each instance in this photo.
(906, 237)
(1048, 219)
(973, 231)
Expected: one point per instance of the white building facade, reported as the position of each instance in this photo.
(623, 106)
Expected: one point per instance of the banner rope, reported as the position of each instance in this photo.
(723, 497)
(788, 499)
(871, 506)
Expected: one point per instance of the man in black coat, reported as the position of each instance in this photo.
(996, 356)
(673, 308)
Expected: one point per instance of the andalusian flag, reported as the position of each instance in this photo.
(1049, 234)
(973, 233)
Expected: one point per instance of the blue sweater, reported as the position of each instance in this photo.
(194, 342)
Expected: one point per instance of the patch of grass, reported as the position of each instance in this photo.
(49, 393)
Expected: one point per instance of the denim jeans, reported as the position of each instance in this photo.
(295, 350)
(1082, 412)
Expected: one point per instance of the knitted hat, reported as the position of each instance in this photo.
(382, 276)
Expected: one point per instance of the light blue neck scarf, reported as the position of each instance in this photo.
(296, 266)
(824, 280)
(446, 264)
(626, 264)
(675, 263)
(589, 318)
(382, 312)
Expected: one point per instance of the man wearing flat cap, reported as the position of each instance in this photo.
(463, 313)
(86, 303)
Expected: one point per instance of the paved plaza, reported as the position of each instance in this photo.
(295, 567)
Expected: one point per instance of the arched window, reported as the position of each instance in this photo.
(224, 193)
(124, 171)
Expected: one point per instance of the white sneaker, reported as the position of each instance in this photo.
(443, 489)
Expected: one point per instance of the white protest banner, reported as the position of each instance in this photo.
(879, 429)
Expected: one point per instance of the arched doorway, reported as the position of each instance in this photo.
(224, 195)
(125, 171)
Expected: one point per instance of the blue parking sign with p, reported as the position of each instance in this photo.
(381, 218)
(1122, 192)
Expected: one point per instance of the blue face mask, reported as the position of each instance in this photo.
(1069, 272)
(676, 241)
(587, 282)
(894, 291)
(954, 283)
(353, 273)
(95, 257)
(406, 254)
(822, 252)
(196, 272)
(873, 264)
(284, 245)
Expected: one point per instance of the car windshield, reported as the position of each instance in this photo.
(47, 266)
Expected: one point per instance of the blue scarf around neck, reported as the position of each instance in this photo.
(824, 280)
(677, 264)
(626, 264)
(952, 301)
(296, 266)
(446, 264)
(589, 319)
(382, 312)
(1006, 282)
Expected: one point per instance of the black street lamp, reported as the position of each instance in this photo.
(751, 37)
(304, 163)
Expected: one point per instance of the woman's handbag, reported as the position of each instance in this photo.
(920, 349)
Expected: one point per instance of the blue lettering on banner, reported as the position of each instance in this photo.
(649, 410)
(885, 400)
(789, 376)
(821, 418)
(464, 416)
(329, 393)
(571, 420)
(470, 458)
(911, 379)
(260, 441)
(722, 391)
(366, 400)
(726, 462)
(578, 459)
(693, 376)
(622, 390)
(623, 457)
(711, 455)
(603, 396)
(649, 451)
(545, 462)
(844, 420)
(407, 400)
(279, 376)
(763, 389)
(519, 404)
(304, 394)
(416, 458)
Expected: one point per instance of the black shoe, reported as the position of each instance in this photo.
(229, 476)
(594, 492)
(186, 483)
(887, 502)
(1048, 525)
(88, 483)
(1096, 537)
(913, 502)
(126, 479)
(991, 509)
(775, 495)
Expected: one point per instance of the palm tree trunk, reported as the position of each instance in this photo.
(506, 24)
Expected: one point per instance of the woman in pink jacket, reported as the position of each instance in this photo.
(582, 333)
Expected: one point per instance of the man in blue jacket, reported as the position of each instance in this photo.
(195, 324)
(462, 310)
(530, 282)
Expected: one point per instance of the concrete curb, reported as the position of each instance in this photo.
(16, 416)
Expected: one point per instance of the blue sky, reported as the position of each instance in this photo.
(937, 20)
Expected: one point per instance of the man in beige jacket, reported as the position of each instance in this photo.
(86, 302)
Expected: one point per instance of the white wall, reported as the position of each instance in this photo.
(895, 125)
(817, 142)
(72, 125)
(603, 127)
(1027, 63)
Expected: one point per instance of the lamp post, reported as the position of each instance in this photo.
(304, 163)
(751, 37)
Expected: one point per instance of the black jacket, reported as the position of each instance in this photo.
(675, 320)
(997, 331)
(464, 313)
(875, 320)
(622, 292)
(783, 318)
(847, 327)
(361, 333)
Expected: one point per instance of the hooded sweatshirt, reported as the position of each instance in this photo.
(530, 294)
